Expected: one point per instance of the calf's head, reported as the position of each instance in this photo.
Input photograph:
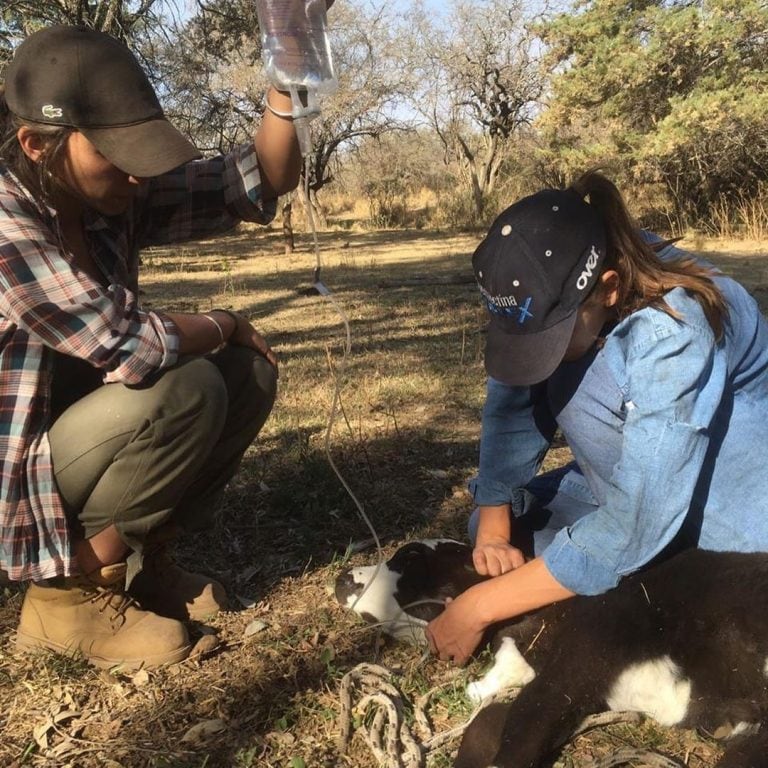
(408, 590)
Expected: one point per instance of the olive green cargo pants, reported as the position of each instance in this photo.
(160, 454)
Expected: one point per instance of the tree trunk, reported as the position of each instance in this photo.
(477, 195)
(288, 224)
(321, 220)
(476, 180)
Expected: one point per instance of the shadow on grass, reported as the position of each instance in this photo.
(285, 527)
(286, 511)
(359, 262)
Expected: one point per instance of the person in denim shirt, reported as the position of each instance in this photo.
(655, 369)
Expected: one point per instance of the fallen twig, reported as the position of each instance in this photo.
(630, 755)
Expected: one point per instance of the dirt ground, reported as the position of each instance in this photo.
(406, 441)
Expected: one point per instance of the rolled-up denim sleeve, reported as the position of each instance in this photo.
(517, 429)
(675, 383)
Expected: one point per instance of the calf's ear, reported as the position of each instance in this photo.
(482, 738)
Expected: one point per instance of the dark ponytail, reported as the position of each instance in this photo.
(38, 178)
(643, 277)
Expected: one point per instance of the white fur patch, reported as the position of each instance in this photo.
(378, 600)
(376, 597)
(743, 728)
(765, 668)
(432, 543)
(655, 687)
(509, 669)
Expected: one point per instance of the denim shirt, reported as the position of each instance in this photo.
(668, 427)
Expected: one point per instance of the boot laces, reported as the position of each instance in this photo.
(113, 599)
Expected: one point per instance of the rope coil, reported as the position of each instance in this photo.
(393, 742)
(368, 688)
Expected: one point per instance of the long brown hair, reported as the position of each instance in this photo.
(37, 177)
(644, 278)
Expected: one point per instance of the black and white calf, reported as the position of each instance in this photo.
(685, 642)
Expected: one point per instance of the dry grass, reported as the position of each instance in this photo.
(412, 394)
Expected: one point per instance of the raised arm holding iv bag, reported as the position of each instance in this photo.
(297, 57)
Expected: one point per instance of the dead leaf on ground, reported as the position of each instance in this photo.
(205, 645)
(255, 627)
(199, 733)
(40, 733)
(140, 678)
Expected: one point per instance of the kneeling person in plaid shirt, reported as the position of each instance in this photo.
(119, 427)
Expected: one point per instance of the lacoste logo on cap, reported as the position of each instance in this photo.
(50, 111)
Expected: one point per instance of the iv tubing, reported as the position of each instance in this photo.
(301, 118)
(323, 290)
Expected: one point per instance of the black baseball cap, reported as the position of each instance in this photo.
(77, 77)
(539, 261)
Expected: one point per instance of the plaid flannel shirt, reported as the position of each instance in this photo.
(47, 304)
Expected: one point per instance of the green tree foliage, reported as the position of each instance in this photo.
(674, 91)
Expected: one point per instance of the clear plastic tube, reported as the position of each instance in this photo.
(326, 293)
(297, 58)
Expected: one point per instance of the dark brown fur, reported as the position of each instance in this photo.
(706, 611)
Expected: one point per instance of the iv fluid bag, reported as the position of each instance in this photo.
(295, 46)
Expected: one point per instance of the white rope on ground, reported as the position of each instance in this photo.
(368, 688)
(372, 684)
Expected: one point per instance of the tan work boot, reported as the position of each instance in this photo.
(167, 589)
(94, 616)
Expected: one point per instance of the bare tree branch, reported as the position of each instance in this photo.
(480, 81)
